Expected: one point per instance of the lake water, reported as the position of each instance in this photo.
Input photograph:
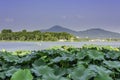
(13, 46)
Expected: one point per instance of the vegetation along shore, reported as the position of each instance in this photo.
(37, 35)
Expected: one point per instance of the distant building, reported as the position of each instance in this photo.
(94, 40)
(62, 40)
(77, 37)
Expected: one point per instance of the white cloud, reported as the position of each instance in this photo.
(8, 20)
(64, 17)
(72, 17)
(79, 17)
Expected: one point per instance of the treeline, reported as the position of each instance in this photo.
(24, 35)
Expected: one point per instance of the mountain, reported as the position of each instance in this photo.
(98, 33)
(90, 33)
(58, 28)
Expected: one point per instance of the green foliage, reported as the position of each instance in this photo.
(90, 62)
(22, 75)
(21, 52)
(82, 73)
(6, 31)
(36, 35)
(42, 70)
(101, 73)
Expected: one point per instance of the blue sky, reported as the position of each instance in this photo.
(73, 14)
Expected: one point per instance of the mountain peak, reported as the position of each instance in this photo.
(98, 33)
(57, 26)
(90, 33)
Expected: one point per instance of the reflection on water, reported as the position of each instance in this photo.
(12, 46)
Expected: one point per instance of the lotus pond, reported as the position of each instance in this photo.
(90, 62)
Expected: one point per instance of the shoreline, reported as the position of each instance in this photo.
(57, 41)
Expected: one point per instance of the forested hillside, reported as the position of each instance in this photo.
(37, 35)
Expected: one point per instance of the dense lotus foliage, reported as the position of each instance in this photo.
(91, 62)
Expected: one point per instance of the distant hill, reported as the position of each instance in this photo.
(90, 33)
(58, 28)
(98, 33)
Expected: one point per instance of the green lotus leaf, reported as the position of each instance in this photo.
(22, 75)
(42, 70)
(81, 54)
(9, 57)
(64, 57)
(39, 62)
(101, 73)
(95, 55)
(81, 73)
(2, 75)
(112, 64)
(113, 54)
(53, 77)
(10, 72)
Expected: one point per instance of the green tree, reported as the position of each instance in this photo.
(6, 31)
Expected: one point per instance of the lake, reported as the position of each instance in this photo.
(13, 46)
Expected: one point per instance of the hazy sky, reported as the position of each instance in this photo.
(74, 14)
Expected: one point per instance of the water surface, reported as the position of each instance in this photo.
(13, 46)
